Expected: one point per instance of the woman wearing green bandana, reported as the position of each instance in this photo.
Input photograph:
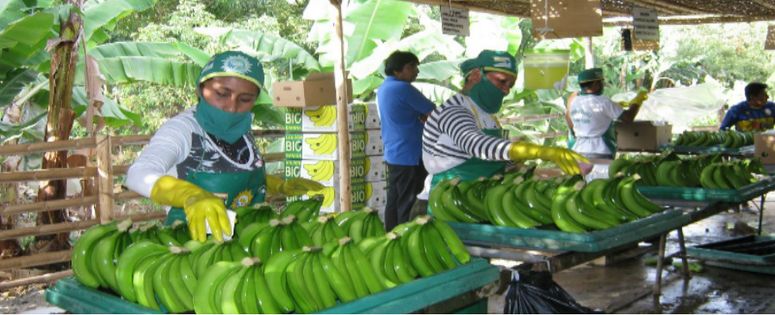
(463, 138)
(204, 160)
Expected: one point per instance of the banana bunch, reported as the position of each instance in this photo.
(209, 253)
(325, 144)
(239, 287)
(95, 254)
(521, 203)
(430, 245)
(727, 139)
(322, 116)
(322, 171)
(247, 215)
(325, 230)
(361, 224)
(304, 210)
(726, 175)
(130, 278)
(175, 235)
(277, 236)
(599, 205)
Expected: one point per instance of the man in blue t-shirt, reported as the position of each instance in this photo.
(753, 114)
(403, 110)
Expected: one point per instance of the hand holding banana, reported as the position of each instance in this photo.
(641, 97)
(567, 160)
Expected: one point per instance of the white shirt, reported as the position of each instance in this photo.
(591, 116)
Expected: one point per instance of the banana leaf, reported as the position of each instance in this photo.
(14, 85)
(119, 70)
(106, 13)
(265, 46)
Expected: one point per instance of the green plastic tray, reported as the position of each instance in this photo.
(737, 251)
(554, 240)
(703, 194)
(74, 297)
(747, 150)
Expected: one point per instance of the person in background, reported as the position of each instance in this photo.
(753, 114)
(204, 160)
(403, 110)
(463, 138)
(591, 116)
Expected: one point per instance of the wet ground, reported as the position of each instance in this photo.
(626, 286)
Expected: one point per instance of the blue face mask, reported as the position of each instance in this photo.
(224, 125)
(487, 96)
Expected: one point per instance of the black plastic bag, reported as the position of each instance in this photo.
(534, 292)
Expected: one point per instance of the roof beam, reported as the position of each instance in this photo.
(667, 7)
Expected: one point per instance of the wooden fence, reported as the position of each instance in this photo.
(103, 197)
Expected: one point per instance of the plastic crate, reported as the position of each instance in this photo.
(595, 241)
(703, 194)
(413, 296)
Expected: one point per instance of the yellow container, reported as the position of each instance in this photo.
(546, 69)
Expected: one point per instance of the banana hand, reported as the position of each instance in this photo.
(198, 204)
(567, 160)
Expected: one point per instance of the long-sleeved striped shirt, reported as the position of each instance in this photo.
(453, 134)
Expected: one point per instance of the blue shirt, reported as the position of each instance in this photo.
(745, 118)
(401, 106)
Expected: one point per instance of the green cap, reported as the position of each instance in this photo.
(233, 64)
(590, 75)
(491, 60)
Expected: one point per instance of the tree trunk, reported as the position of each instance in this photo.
(64, 57)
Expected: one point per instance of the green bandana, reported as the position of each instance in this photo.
(223, 125)
(487, 95)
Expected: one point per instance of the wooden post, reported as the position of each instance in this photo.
(340, 77)
(104, 180)
(589, 57)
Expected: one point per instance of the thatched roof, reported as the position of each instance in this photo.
(669, 11)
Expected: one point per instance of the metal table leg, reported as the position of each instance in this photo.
(660, 260)
(682, 252)
(761, 212)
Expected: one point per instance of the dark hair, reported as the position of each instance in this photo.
(754, 89)
(588, 84)
(397, 60)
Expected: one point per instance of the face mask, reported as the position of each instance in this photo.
(487, 96)
(224, 125)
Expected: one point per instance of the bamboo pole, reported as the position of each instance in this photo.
(340, 77)
(15, 149)
(73, 226)
(104, 180)
(46, 278)
(48, 205)
(48, 174)
(35, 260)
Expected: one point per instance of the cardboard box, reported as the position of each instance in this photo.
(376, 169)
(331, 197)
(374, 144)
(372, 116)
(376, 195)
(324, 118)
(325, 172)
(322, 146)
(764, 147)
(318, 89)
(643, 135)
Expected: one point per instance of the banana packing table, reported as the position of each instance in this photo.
(554, 250)
(703, 196)
(440, 293)
(748, 253)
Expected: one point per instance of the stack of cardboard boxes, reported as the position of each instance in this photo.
(312, 144)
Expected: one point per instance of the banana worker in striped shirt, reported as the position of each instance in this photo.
(753, 114)
(204, 161)
(463, 138)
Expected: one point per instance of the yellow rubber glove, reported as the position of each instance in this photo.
(198, 204)
(641, 97)
(291, 186)
(567, 160)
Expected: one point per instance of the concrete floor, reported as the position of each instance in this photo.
(626, 286)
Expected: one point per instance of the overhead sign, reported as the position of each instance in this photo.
(644, 24)
(563, 18)
(769, 42)
(454, 21)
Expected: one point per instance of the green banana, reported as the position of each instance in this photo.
(206, 298)
(83, 252)
(129, 261)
